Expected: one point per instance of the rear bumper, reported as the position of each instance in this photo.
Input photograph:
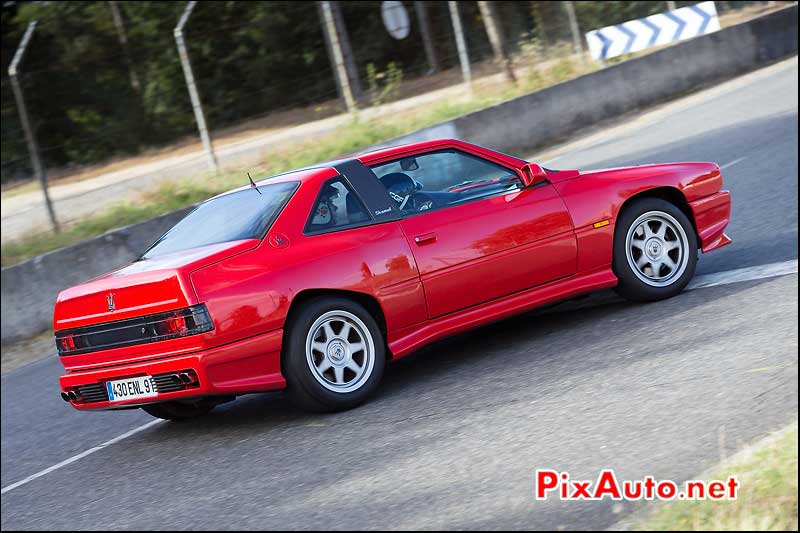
(711, 216)
(249, 365)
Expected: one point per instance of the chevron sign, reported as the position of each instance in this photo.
(654, 30)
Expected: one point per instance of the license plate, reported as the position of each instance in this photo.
(131, 389)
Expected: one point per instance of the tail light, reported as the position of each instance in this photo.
(150, 328)
(66, 343)
(175, 324)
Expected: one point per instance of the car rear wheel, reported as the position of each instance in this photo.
(334, 355)
(179, 410)
(655, 250)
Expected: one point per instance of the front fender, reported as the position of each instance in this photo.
(598, 196)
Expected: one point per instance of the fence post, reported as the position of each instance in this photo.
(30, 137)
(197, 106)
(338, 57)
(460, 44)
(576, 33)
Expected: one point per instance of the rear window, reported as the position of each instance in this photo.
(244, 214)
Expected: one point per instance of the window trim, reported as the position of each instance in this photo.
(351, 190)
(473, 149)
(370, 190)
(514, 171)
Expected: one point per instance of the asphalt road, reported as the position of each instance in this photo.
(457, 430)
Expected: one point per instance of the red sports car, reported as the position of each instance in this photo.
(311, 280)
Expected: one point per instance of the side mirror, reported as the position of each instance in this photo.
(533, 174)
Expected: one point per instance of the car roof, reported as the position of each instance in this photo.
(390, 152)
(326, 169)
(306, 173)
(398, 150)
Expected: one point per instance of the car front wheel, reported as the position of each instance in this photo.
(334, 355)
(655, 250)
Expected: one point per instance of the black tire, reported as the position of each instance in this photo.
(304, 385)
(635, 283)
(179, 410)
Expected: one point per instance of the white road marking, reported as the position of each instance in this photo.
(744, 274)
(706, 280)
(726, 165)
(79, 456)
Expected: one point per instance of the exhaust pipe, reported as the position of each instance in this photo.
(185, 378)
(73, 396)
(65, 396)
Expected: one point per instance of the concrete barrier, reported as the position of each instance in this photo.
(30, 288)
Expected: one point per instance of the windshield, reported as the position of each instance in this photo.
(244, 214)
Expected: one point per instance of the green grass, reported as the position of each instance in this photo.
(351, 138)
(767, 496)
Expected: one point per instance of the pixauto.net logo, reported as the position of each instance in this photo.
(550, 483)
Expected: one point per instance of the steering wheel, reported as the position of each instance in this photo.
(422, 202)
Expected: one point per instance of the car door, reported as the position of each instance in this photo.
(475, 232)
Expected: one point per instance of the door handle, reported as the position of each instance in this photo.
(425, 238)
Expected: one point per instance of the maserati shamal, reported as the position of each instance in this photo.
(312, 280)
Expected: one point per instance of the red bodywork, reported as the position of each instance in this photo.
(429, 276)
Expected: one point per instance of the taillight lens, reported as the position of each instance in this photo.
(150, 328)
(66, 343)
(175, 324)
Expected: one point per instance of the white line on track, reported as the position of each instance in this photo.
(744, 274)
(79, 456)
(735, 161)
(707, 280)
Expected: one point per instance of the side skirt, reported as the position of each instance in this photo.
(414, 337)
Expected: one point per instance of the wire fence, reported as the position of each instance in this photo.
(91, 97)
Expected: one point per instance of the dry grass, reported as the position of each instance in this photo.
(767, 473)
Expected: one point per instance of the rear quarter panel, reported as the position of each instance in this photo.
(251, 293)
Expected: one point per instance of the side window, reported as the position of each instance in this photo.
(442, 178)
(336, 206)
